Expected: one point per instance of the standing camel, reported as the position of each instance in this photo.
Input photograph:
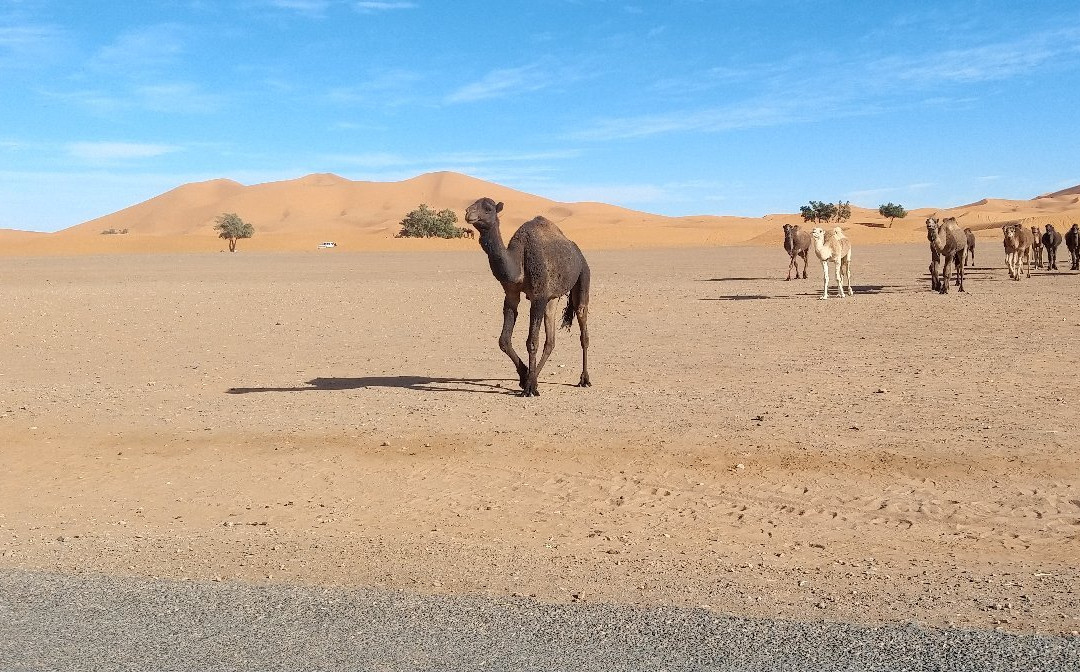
(950, 245)
(969, 252)
(1036, 247)
(1018, 242)
(833, 248)
(797, 244)
(1072, 241)
(546, 265)
(1051, 240)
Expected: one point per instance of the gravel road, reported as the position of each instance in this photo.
(61, 622)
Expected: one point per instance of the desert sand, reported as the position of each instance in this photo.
(344, 417)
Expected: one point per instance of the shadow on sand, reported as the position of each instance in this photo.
(858, 289)
(422, 383)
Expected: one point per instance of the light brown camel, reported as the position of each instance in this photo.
(1036, 247)
(797, 244)
(948, 243)
(545, 264)
(1018, 241)
(833, 248)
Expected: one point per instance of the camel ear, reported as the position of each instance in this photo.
(498, 206)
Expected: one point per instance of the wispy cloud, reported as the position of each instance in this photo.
(142, 50)
(750, 114)
(369, 7)
(987, 62)
(502, 83)
(118, 151)
(28, 46)
(448, 160)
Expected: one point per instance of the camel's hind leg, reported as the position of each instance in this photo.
(549, 334)
(846, 262)
(583, 324)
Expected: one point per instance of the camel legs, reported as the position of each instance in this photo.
(583, 324)
(840, 277)
(510, 313)
(791, 263)
(540, 310)
(825, 272)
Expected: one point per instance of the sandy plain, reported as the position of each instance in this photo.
(346, 418)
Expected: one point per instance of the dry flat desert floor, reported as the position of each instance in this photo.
(347, 418)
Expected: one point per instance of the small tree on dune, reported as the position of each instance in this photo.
(424, 222)
(821, 212)
(892, 211)
(232, 228)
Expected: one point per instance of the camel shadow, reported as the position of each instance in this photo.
(859, 290)
(735, 279)
(420, 383)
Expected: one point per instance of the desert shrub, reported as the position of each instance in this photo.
(424, 222)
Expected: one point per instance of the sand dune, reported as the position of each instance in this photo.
(295, 215)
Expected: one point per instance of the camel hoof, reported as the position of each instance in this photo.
(530, 393)
(585, 382)
(823, 298)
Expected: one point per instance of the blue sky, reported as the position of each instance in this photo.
(679, 107)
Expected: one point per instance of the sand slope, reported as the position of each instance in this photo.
(296, 215)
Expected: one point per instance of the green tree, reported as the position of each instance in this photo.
(892, 211)
(424, 222)
(821, 212)
(232, 228)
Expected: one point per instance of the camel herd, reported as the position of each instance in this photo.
(951, 250)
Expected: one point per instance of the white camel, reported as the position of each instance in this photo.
(835, 248)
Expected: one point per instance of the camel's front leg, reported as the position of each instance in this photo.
(510, 312)
(537, 310)
(791, 262)
(825, 272)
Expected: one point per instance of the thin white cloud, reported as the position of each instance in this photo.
(369, 7)
(28, 46)
(502, 83)
(139, 51)
(986, 62)
(118, 151)
(746, 115)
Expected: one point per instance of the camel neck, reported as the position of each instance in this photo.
(502, 264)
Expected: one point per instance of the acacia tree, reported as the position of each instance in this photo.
(424, 222)
(821, 212)
(232, 228)
(892, 211)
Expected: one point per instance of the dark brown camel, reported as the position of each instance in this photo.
(969, 253)
(947, 244)
(545, 264)
(1051, 240)
(1072, 241)
(797, 244)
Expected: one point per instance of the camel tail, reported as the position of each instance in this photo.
(568, 312)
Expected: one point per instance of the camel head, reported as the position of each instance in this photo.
(931, 228)
(818, 234)
(483, 214)
(1049, 229)
(838, 232)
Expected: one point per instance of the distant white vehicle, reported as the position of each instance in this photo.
(328, 244)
